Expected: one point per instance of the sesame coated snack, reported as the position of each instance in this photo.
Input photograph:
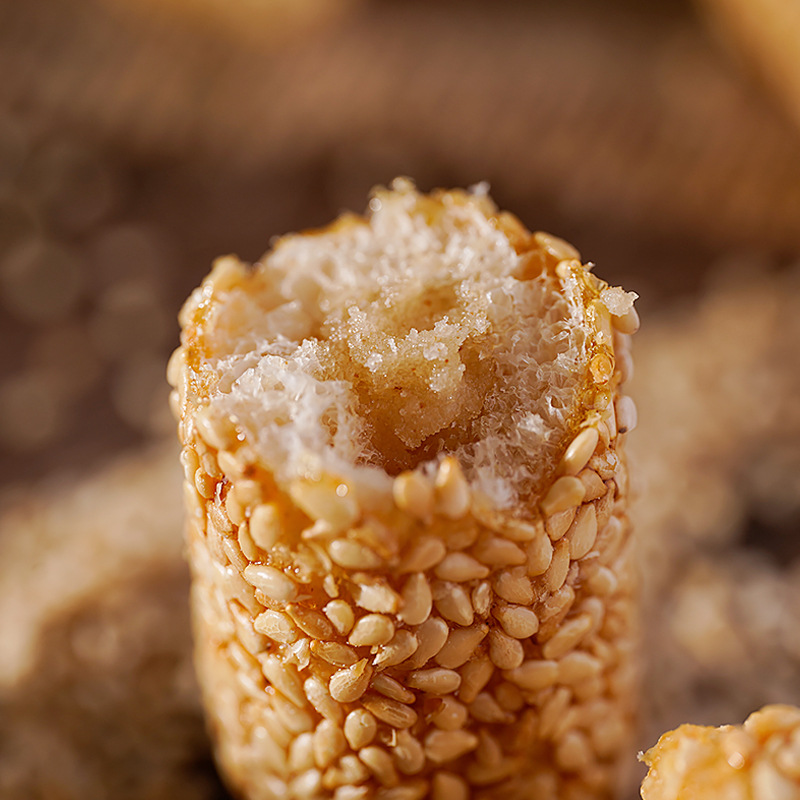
(407, 503)
(759, 760)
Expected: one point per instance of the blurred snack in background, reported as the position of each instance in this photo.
(765, 34)
(718, 455)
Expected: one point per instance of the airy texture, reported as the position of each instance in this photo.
(407, 509)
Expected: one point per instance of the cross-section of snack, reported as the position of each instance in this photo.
(407, 502)
(759, 760)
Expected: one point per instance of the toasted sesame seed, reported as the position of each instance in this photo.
(341, 615)
(539, 553)
(423, 554)
(558, 524)
(335, 653)
(277, 626)
(216, 432)
(499, 552)
(234, 554)
(431, 635)
(609, 733)
(380, 764)
(390, 711)
(573, 753)
(452, 489)
(204, 484)
(413, 493)
(415, 790)
(329, 743)
(434, 681)
(485, 708)
(482, 598)
(360, 728)
(310, 621)
(628, 323)
(534, 675)
(349, 683)
(408, 754)
(568, 636)
(583, 532)
(272, 582)
(514, 586)
(553, 711)
(391, 688)
(518, 622)
(556, 248)
(627, 417)
(319, 697)
(475, 675)
(321, 501)
(378, 597)
(601, 368)
(520, 531)
(450, 715)
(403, 645)
(301, 752)
(372, 629)
(246, 543)
(452, 602)
(603, 582)
(442, 746)
(509, 697)
(565, 493)
(253, 641)
(353, 555)
(353, 793)
(579, 451)
(460, 567)
(595, 487)
(284, 678)
(265, 526)
(505, 651)
(578, 666)
(559, 567)
(447, 786)
(461, 645)
(417, 600)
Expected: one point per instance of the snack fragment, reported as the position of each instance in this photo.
(759, 760)
(407, 509)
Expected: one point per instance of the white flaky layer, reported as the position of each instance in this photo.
(377, 345)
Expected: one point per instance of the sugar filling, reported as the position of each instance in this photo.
(378, 346)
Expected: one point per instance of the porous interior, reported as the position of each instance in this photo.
(380, 344)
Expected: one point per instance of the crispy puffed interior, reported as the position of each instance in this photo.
(379, 344)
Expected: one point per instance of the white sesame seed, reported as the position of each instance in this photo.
(350, 683)
(442, 746)
(566, 492)
(452, 602)
(627, 417)
(568, 636)
(341, 615)
(434, 681)
(272, 582)
(432, 635)
(403, 645)
(450, 715)
(475, 674)
(461, 645)
(424, 554)
(579, 451)
(460, 567)
(505, 651)
(389, 711)
(417, 600)
(534, 675)
(583, 532)
(372, 629)
(518, 622)
(353, 555)
(413, 493)
(360, 728)
(452, 489)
